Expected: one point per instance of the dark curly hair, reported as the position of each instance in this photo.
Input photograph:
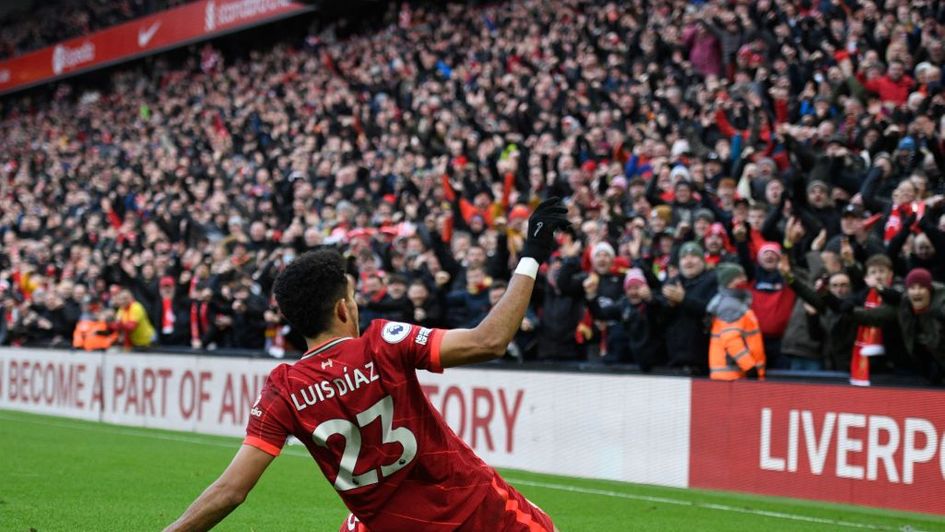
(308, 289)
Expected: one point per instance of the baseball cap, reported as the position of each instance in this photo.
(853, 209)
(167, 280)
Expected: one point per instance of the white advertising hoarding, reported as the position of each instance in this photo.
(629, 428)
(626, 428)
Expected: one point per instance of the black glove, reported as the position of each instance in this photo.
(540, 241)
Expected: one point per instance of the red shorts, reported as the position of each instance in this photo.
(503, 509)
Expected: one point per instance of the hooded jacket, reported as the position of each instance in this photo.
(736, 348)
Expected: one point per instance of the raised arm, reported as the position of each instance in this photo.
(803, 291)
(490, 338)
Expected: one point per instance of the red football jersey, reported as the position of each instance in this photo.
(357, 406)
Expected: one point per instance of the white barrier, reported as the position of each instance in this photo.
(191, 393)
(634, 429)
(629, 428)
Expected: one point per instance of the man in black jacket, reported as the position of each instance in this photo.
(640, 320)
(394, 305)
(173, 315)
(249, 323)
(603, 284)
(47, 323)
(919, 314)
(835, 330)
(853, 232)
(560, 313)
(427, 308)
(684, 299)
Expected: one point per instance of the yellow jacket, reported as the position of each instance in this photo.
(134, 322)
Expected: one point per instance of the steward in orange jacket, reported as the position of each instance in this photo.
(736, 349)
(92, 335)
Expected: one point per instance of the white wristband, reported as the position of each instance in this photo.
(527, 266)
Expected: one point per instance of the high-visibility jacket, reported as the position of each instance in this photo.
(93, 335)
(735, 348)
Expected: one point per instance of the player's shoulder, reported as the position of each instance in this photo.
(278, 376)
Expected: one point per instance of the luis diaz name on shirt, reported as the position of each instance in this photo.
(337, 387)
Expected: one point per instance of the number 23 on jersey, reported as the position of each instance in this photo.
(384, 409)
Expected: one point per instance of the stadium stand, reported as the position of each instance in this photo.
(800, 140)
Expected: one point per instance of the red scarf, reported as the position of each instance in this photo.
(585, 329)
(199, 319)
(379, 295)
(869, 342)
(896, 216)
(193, 286)
(167, 316)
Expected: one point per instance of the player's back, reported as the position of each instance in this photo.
(357, 406)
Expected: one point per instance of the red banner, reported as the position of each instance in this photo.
(868, 446)
(147, 35)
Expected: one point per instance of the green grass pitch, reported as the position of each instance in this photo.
(62, 474)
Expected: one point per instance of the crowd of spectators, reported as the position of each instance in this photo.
(43, 23)
(792, 150)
